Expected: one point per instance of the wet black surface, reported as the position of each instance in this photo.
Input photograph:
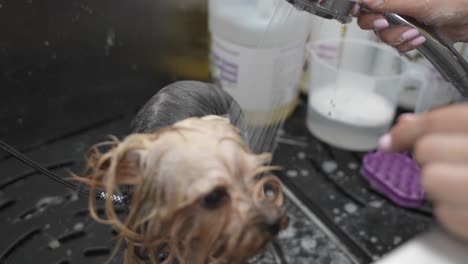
(43, 220)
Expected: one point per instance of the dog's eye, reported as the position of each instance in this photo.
(215, 199)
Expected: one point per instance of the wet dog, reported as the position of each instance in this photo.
(198, 194)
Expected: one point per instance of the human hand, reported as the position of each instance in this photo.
(449, 18)
(440, 143)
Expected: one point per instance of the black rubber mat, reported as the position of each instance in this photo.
(43, 220)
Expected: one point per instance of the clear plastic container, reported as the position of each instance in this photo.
(445, 93)
(355, 90)
(323, 29)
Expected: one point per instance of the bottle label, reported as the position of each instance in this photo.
(259, 79)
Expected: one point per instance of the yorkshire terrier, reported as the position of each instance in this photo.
(198, 194)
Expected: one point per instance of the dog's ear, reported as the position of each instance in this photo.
(128, 169)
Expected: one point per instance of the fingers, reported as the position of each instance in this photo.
(403, 7)
(454, 219)
(446, 183)
(411, 128)
(404, 38)
(440, 141)
(442, 148)
(412, 44)
(372, 21)
(398, 35)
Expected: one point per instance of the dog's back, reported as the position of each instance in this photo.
(185, 99)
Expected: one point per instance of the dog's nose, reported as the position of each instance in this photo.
(272, 225)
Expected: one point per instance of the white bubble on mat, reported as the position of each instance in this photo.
(397, 240)
(301, 155)
(351, 208)
(291, 173)
(309, 244)
(376, 204)
(329, 166)
(352, 166)
(54, 244)
(78, 226)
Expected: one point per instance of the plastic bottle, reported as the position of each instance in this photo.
(257, 54)
(185, 43)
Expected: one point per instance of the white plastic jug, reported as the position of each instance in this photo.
(257, 53)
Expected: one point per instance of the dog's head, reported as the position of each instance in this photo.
(198, 193)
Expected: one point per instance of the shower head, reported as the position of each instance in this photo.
(443, 56)
(340, 10)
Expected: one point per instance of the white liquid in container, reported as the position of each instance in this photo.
(348, 114)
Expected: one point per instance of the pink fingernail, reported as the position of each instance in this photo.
(356, 10)
(418, 41)
(410, 34)
(380, 23)
(385, 142)
(374, 3)
(406, 117)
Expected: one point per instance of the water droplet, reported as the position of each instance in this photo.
(309, 244)
(332, 197)
(78, 226)
(46, 202)
(352, 166)
(69, 252)
(336, 211)
(329, 166)
(350, 208)
(397, 240)
(301, 155)
(376, 204)
(305, 173)
(374, 240)
(288, 233)
(54, 244)
(110, 38)
(73, 197)
(46, 43)
(340, 174)
(291, 173)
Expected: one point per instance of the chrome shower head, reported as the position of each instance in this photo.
(340, 10)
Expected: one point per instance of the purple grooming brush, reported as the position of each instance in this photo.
(396, 175)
